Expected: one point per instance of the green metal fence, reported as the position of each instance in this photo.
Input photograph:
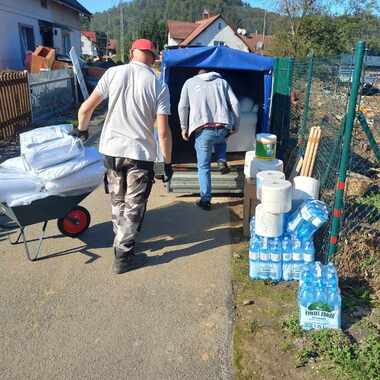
(316, 92)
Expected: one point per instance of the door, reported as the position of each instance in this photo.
(27, 39)
(66, 42)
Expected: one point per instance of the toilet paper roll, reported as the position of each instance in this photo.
(257, 166)
(276, 196)
(267, 175)
(268, 224)
(249, 156)
(306, 188)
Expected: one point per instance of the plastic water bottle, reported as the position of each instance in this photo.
(308, 219)
(287, 267)
(276, 258)
(307, 274)
(265, 264)
(254, 257)
(307, 294)
(252, 227)
(309, 252)
(297, 259)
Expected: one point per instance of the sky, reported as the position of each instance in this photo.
(101, 5)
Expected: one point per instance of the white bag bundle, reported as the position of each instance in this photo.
(88, 178)
(15, 163)
(45, 134)
(246, 104)
(17, 184)
(48, 146)
(91, 156)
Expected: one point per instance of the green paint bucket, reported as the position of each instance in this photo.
(266, 144)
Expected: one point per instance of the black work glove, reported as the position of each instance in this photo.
(83, 135)
(168, 173)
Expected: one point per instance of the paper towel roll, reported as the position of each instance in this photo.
(268, 224)
(261, 165)
(267, 175)
(249, 156)
(276, 196)
(304, 188)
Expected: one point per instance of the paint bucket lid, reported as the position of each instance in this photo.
(266, 138)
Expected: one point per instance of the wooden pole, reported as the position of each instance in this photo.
(314, 155)
(307, 152)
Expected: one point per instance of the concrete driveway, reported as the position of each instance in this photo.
(67, 317)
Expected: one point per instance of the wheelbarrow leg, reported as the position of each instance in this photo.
(30, 256)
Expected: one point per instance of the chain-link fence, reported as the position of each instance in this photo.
(318, 91)
(52, 93)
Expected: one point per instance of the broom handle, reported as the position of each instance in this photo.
(318, 139)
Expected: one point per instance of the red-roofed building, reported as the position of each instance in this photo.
(88, 44)
(210, 31)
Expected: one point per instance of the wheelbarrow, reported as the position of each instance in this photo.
(72, 220)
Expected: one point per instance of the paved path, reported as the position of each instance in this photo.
(68, 317)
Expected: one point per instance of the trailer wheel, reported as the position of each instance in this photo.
(75, 222)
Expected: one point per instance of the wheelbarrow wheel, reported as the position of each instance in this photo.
(75, 222)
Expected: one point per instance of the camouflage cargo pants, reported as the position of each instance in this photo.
(129, 182)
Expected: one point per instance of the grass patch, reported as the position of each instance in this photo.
(334, 350)
(372, 199)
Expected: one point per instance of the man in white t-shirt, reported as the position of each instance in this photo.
(136, 100)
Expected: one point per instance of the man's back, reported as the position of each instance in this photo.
(135, 97)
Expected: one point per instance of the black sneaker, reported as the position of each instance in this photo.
(204, 205)
(126, 263)
(223, 167)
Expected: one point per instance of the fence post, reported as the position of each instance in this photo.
(372, 142)
(350, 119)
(307, 95)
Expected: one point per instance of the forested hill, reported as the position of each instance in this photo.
(148, 17)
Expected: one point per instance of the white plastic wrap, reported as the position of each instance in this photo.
(15, 185)
(245, 139)
(27, 199)
(15, 163)
(91, 156)
(52, 152)
(89, 177)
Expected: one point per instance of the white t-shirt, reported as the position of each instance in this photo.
(135, 97)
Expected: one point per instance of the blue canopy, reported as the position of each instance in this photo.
(223, 58)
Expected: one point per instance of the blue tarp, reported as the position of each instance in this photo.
(223, 58)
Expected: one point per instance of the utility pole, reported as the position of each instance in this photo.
(264, 27)
(122, 55)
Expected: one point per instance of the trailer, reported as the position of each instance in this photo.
(250, 76)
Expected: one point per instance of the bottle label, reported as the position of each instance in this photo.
(287, 256)
(276, 257)
(308, 257)
(255, 256)
(264, 256)
(319, 316)
(297, 256)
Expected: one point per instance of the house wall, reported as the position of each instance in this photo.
(220, 31)
(88, 47)
(172, 41)
(29, 12)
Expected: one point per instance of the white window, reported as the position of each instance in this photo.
(219, 43)
(27, 39)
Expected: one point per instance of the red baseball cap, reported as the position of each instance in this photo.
(143, 44)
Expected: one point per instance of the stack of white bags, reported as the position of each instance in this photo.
(52, 162)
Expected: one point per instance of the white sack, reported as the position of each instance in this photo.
(52, 152)
(15, 185)
(89, 177)
(245, 139)
(42, 135)
(27, 199)
(91, 156)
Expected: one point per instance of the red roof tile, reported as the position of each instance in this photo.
(253, 40)
(201, 26)
(91, 36)
(179, 30)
